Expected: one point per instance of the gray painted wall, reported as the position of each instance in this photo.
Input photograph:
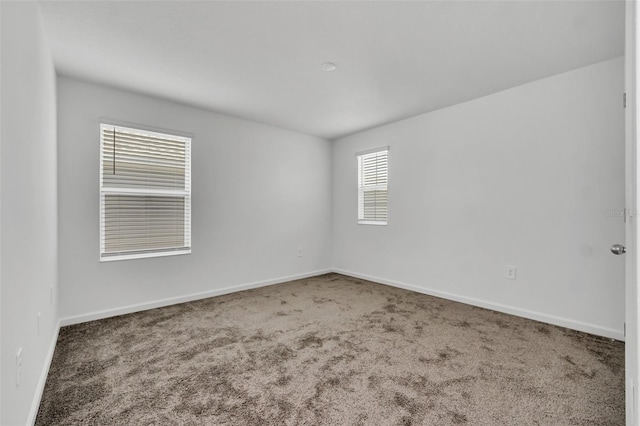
(522, 177)
(28, 241)
(258, 194)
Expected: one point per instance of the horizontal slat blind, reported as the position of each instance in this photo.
(373, 178)
(140, 222)
(133, 160)
(145, 200)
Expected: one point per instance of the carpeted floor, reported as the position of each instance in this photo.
(331, 350)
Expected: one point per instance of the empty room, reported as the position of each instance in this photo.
(318, 213)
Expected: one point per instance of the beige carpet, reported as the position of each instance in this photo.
(331, 350)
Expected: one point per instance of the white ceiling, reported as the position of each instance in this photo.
(261, 60)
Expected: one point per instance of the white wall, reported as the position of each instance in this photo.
(522, 177)
(28, 207)
(258, 193)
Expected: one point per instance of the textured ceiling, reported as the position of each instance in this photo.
(261, 60)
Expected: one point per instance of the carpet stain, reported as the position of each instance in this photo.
(458, 419)
(330, 350)
(310, 339)
(409, 404)
(406, 421)
(442, 356)
(542, 329)
(393, 328)
(277, 354)
(284, 380)
(501, 323)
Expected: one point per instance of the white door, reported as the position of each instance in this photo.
(631, 229)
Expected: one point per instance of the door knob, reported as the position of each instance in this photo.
(618, 249)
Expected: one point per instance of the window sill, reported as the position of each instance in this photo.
(370, 222)
(144, 255)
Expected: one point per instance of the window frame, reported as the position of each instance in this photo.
(187, 139)
(361, 187)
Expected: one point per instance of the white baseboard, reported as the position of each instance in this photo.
(549, 319)
(92, 316)
(35, 405)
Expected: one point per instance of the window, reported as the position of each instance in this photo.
(145, 193)
(372, 186)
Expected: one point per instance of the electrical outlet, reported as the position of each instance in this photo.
(299, 251)
(510, 272)
(18, 366)
(38, 323)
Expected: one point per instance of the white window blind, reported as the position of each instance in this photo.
(145, 193)
(373, 176)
